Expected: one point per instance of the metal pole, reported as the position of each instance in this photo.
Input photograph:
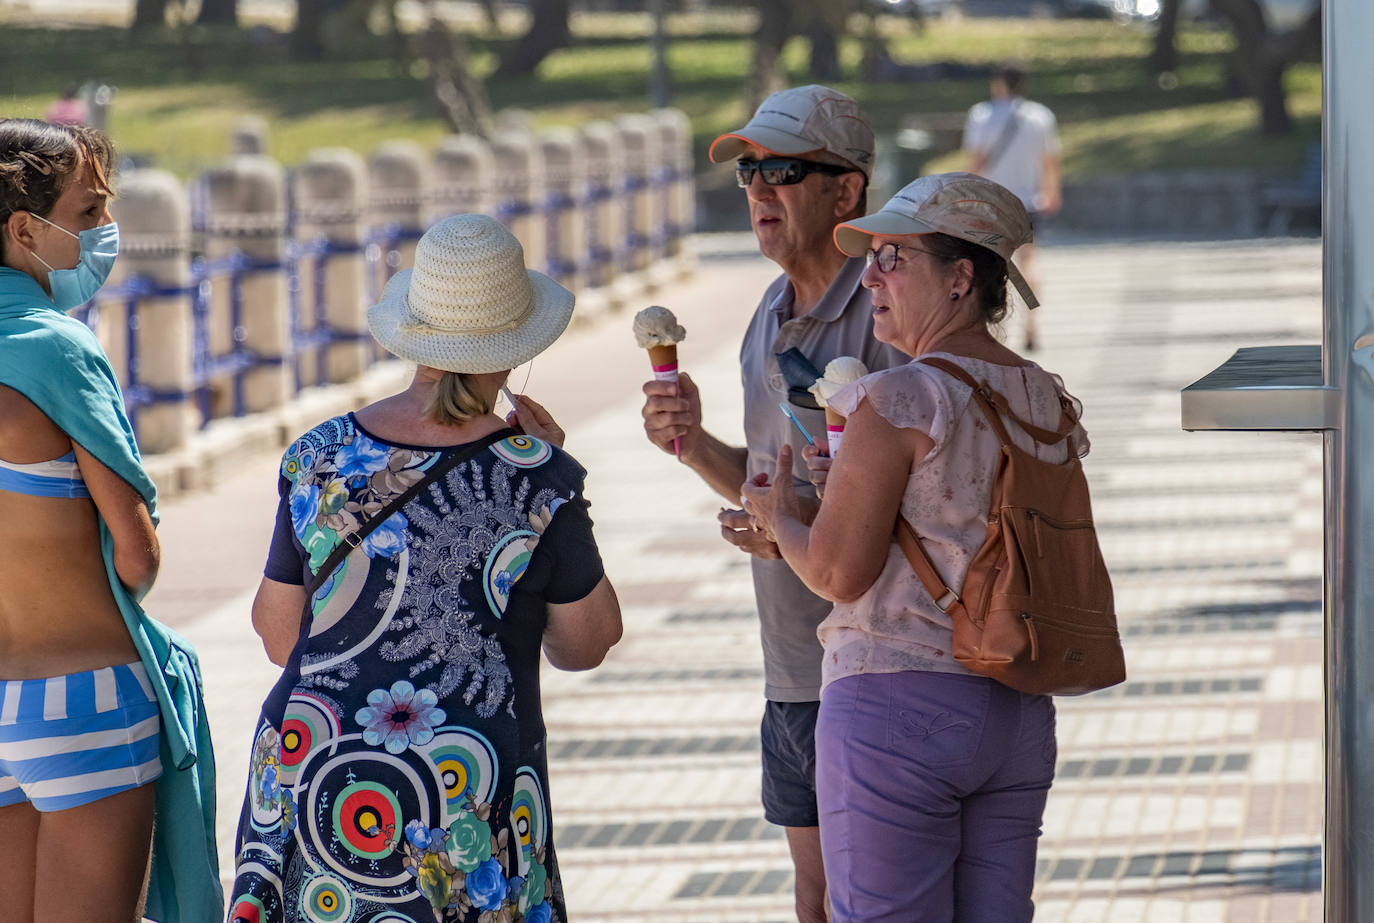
(661, 93)
(1348, 307)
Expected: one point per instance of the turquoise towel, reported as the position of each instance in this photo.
(57, 362)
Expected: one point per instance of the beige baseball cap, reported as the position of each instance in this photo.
(961, 205)
(801, 120)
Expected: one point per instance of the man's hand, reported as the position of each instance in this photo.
(672, 412)
(737, 528)
(771, 504)
(530, 418)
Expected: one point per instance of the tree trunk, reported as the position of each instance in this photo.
(547, 33)
(826, 25)
(460, 95)
(1165, 55)
(1260, 60)
(150, 14)
(1267, 87)
(775, 27)
(307, 41)
(218, 13)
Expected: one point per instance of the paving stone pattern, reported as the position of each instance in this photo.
(1190, 793)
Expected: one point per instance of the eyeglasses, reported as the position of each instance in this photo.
(886, 255)
(783, 171)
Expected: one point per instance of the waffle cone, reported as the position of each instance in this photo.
(663, 355)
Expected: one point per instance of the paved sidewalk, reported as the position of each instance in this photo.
(1192, 793)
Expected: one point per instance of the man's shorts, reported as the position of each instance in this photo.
(789, 763)
(71, 740)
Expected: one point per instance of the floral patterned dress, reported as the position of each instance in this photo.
(398, 771)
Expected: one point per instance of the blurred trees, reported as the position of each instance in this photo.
(461, 96)
(823, 22)
(1261, 57)
(548, 31)
(218, 13)
(151, 14)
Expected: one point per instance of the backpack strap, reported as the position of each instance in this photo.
(945, 598)
(350, 540)
(995, 406)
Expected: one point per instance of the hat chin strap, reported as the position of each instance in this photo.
(1022, 286)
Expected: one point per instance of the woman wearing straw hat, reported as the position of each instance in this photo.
(424, 553)
(932, 779)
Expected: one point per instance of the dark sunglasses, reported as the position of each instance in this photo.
(783, 171)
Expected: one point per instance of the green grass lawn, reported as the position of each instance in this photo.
(179, 95)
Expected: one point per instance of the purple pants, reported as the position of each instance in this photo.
(931, 789)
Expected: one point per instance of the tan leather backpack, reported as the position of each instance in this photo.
(1036, 611)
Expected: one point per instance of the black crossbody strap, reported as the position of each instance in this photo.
(1009, 127)
(350, 540)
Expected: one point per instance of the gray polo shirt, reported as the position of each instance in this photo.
(840, 325)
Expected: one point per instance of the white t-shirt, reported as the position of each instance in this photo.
(1019, 164)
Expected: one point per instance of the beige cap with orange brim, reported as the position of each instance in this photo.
(962, 205)
(802, 120)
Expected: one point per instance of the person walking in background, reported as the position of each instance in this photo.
(932, 779)
(803, 162)
(101, 725)
(1015, 142)
(424, 554)
(70, 109)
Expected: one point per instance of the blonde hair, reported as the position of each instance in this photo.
(456, 400)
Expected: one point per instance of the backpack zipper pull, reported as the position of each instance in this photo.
(1030, 630)
(1034, 517)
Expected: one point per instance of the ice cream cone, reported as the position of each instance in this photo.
(834, 431)
(664, 361)
(664, 358)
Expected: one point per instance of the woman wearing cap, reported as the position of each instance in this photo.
(424, 553)
(93, 743)
(932, 779)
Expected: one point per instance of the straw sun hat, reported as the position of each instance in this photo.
(470, 305)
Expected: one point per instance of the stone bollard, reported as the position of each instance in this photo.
(602, 204)
(398, 172)
(249, 136)
(249, 318)
(330, 317)
(564, 190)
(463, 174)
(678, 194)
(519, 189)
(154, 215)
(639, 136)
(515, 121)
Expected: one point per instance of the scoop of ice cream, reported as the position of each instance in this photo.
(656, 326)
(839, 372)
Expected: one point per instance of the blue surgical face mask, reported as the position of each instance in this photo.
(78, 285)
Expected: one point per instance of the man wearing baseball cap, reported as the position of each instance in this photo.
(804, 162)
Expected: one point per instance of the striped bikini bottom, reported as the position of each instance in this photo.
(70, 740)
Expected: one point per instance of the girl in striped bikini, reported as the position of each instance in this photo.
(79, 720)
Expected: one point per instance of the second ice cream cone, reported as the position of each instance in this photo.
(834, 431)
